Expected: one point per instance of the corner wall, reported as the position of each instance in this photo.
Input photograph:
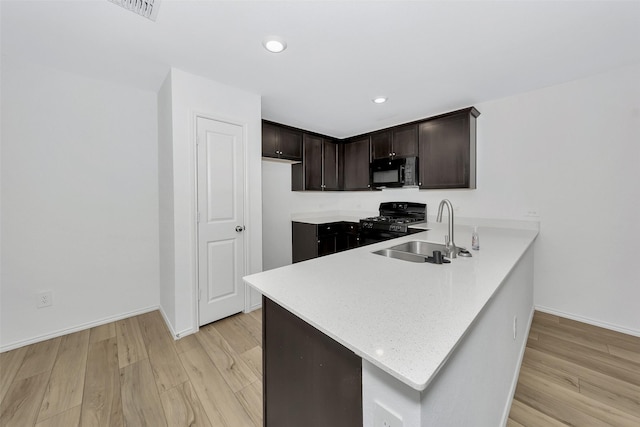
(165, 207)
(79, 202)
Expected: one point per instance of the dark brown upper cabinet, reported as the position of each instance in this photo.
(319, 168)
(400, 141)
(355, 164)
(281, 142)
(447, 150)
(445, 145)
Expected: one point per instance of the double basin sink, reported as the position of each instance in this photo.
(417, 251)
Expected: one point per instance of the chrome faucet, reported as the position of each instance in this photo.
(447, 203)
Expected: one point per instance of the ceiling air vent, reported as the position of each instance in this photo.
(146, 8)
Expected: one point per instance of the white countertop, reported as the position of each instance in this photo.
(328, 217)
(405, 318)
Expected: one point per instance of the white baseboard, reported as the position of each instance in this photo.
(77, 328)
(514, 383)
(254, 308)
(167, 322)
(600, 324)
(174, 334)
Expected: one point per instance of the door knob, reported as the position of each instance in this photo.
(240, 228)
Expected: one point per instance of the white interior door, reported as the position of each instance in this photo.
(220, 219)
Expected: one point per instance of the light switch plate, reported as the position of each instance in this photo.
(384, 417)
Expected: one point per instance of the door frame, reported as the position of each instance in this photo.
(194, 196)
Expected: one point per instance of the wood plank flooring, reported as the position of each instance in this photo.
(132, 372)
(574, 374)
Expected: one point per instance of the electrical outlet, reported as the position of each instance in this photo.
(515, 327)
(45, 299)
(383, 417)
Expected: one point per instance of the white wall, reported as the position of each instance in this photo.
(79, 202)
(192, 95)
(569, 153)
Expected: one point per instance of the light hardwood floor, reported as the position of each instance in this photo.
(574, 374)
(132, 372)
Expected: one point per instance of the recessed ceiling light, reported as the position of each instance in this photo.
(380, 99)
(274, 44)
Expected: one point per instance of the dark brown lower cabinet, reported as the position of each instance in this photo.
(316, 240)
(309, 379)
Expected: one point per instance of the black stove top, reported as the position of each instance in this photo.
(392, 220)
(396, 217)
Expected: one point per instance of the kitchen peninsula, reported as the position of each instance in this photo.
(435, 344)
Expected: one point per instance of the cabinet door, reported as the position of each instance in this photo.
(309, 379)
(356, 164)
(327, 234)
(304, 241)
(381, 145)
(269, 140)
(327, 244)
(405, 141)
(312, 147)
(352, 234)
(290, 144)
(330, 165)
(446, 152)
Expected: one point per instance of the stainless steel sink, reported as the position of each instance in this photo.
(416, 251)
(406, 256)
(419, 247)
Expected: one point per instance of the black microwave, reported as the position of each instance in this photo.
(394, 172)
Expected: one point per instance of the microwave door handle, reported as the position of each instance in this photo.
(402, 174)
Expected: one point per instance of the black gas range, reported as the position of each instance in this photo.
(395, 220)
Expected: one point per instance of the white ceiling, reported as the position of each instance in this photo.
(428, 57)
